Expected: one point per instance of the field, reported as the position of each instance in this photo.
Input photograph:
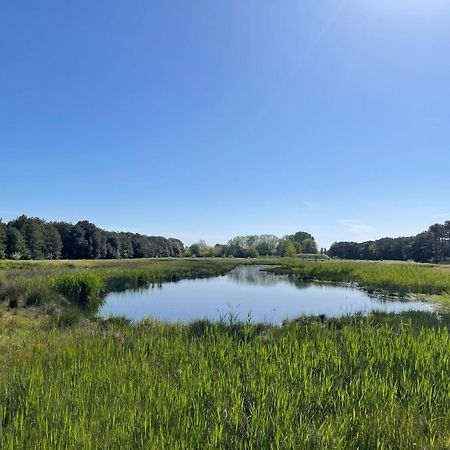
(71, 381)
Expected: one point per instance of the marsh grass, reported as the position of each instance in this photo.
(110, 384)
(355, 382)
(84, 283)
(397, 278)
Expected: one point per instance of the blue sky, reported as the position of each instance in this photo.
(210, 119)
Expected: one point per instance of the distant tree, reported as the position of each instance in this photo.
(286, 248)
(437, 234)
(447, 240)
(200, 248)
(309, 246)
(78, 246)
(84, 240)
(126, 245)
(52, 242)
(431, 245)
(195, 250)
(300, 236)
(219, 250)
(177, 247)
(113, 246)
(344, 250)
(420, 248)
(2, 239)
(16, 247)
(141, 246)
(236, 247)
(252, 252)
(304, 242)
(32, 229)
(203, 247)
(87, 241)
(267, 244)
(65, 232)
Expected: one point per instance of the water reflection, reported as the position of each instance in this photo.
(254, 275)
(249, 290)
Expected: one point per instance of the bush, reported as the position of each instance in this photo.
(81, 288)
(13, 293)
(66, 318)
(40, 294)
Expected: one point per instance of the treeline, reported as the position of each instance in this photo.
(253, 246)
(432, 245)
(34, 238)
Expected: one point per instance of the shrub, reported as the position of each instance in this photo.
(81, 288)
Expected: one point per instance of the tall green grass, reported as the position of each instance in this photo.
(210, 386)
(393, 277)
(85, 282)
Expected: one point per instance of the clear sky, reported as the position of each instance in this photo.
(208, 119)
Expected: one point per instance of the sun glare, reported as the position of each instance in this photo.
(410, 7)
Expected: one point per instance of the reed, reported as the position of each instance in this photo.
(153, 385)
(400, 278)
(83, 283)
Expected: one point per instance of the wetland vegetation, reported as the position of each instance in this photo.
(345, 383)
(70, 379)
(250, 291)
(424, 280)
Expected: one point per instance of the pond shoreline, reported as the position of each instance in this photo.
(251, 291)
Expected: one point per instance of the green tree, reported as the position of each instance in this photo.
(177, 247)
(64, 230)
(2, 239)
(219, 250)
(203, 247)
(200, 249)
(32, 229)
(447, 240)
(87, 241)
(195, 250)
(126, 246)
(267, 244)
(286, 248)
(252, 252)
(309, 246)
(52, 242)
(113, 249)
(304, 242)
(16, 247)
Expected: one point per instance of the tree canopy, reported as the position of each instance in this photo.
(432, 245)
(34, 238)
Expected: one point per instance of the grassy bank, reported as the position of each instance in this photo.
(401, 278)
(84, 283)
(310, 385)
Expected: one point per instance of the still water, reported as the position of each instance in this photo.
(248, 290)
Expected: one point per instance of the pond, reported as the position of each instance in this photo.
(248, 291)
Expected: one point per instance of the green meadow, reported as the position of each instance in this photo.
(70, 380)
